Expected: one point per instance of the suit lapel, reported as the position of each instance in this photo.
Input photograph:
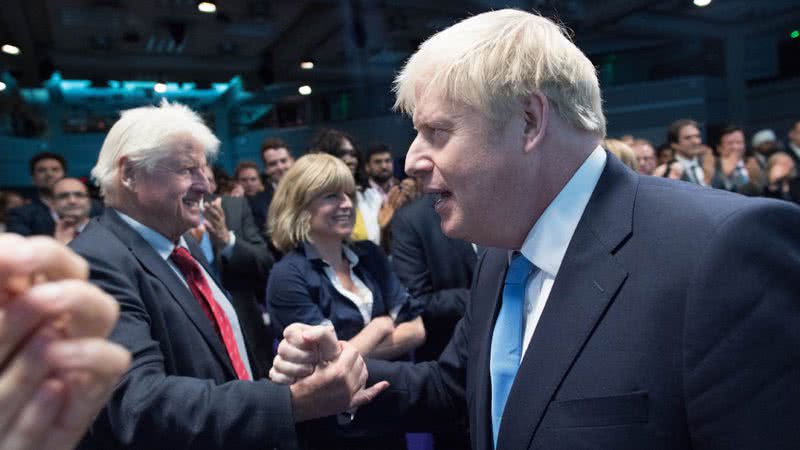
(497, 264)
(588, 280)
(153, 263)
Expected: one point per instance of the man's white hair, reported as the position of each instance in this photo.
(145, 136)
(490, 60)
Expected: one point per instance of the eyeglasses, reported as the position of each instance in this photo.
(67, 194)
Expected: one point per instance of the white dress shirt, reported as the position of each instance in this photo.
(164, 248)
(693, 169)
(547, 242)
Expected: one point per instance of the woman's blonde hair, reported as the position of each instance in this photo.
(289, 221)
(623, 152)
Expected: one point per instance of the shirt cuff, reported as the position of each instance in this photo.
(227, 251)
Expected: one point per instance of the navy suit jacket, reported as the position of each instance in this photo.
(673, 323)
(435, 269)
(181, 391)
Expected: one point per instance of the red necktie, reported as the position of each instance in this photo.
(202, 292)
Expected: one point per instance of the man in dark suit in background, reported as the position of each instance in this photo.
(617, 311)
(192, 383)
(434, 268)
(38, 216)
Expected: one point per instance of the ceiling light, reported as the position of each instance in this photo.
(207, 7)
(702, 3)
(304, 90)
(307, 65)
(160, 87)
(2, 86)
(11, 49)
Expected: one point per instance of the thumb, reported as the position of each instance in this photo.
(367, 395)
(325, 339)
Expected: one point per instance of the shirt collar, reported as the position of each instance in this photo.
(686, 161)
(546, 243)
(313, 255)
(160, 244)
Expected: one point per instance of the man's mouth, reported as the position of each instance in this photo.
(194, 202)
(440, 197)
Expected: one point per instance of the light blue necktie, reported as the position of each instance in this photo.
(507, 338)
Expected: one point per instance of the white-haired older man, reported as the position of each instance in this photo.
(191, 384)
(618, 311)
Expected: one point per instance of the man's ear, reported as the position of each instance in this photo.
(127, 173)
(535, 111)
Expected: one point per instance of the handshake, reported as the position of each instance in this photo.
(326, 376)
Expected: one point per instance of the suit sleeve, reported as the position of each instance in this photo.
(17, 222)
(289, 299)
(427, 396)
(250, 260)
(408, 260)
(152, 409)
(742, 333)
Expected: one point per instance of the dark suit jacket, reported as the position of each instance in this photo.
(181, 391)
(31, 219)
(672, 324)
(259, 205)
(34, 218)
(434, 268)
(244, 276)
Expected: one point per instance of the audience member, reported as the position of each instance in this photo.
(645, 156)
(793, 147)
(193, 383)
(277, 160)
(665, 154)
(9, 200)
(246, 175)
(259, 198)
(380, 168)
(38, 217)
(684, 137)
(623, 152)
(400, 195)
(368, 200)
(619, 311)
(782, 179)
(323, 280)
(72, 205)
(56, 368)
(730, 172)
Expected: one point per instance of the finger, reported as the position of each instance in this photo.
(55, 261)
(291, 369)
(293, 334)
(293, 354)
(280, 378)
(105, 361)
(37, 419)
(325, 338)
(22, 376)
(16, 259)
(367, 395)
(81, 308)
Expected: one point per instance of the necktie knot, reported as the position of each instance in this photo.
(519, 270)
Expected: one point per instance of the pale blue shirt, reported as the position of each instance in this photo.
(164, 248)
(547, 242)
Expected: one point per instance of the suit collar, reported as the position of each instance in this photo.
(152, 262)
(587, 283)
